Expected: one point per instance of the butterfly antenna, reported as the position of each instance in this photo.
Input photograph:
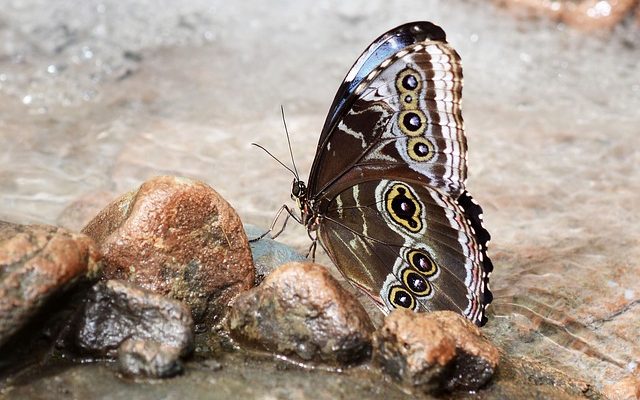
(275, 158)
(286, 131)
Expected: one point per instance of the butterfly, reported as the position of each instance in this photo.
(386, 194)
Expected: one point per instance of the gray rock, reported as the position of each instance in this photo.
(433, 352)
(116, 311)
(301, 311)
(268, 254)
(148, 358)
(38, 262)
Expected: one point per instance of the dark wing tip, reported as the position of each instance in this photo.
(423, 30)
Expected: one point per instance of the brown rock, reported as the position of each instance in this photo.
(585, 15)
(596, 14)
(177, 237)
(38, 262)
(435, 351)
(626, 389)
(300, 310)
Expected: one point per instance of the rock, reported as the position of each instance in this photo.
(83, 209)
(116, 311)
(176, 237)
(148, 358)
(585, 15)
(625, 389)
(300, 310)
(267, 253)
(38, 262)
(438, 351)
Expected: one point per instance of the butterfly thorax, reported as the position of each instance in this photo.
(309, 215)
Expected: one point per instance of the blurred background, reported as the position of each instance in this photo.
(98, 96)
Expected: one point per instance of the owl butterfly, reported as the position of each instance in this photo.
(386, 193)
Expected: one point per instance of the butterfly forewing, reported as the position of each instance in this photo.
(405, 122)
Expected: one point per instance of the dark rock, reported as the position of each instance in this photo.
(176, 237)
(116, 311)
(300, 310)
(38, 262)
(439, 351)
(267, 253)
(148, 358)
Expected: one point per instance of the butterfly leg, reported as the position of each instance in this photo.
(312, 248)
(290, 213)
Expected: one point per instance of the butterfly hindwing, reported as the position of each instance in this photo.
(408, 246)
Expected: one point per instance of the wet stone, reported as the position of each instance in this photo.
(148, 358)
(434, 352)
(37, 263)
(301, 311)
(115, 311)
(176, 237)
(267, 253)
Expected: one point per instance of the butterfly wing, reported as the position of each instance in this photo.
(410, 246)
(400, 117)
(396, 123)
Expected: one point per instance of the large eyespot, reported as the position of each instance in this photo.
(416, 282)
(403, 207)
(412, 122)
(399, 297)
(420, 149)
(421, 261)
(408, 80)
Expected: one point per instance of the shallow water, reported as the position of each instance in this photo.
(98, 96)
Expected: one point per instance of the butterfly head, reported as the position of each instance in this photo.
(299, 192)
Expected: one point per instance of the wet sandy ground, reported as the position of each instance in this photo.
(99, 96)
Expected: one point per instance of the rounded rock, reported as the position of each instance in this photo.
(301, 311)
(37, 262)
(433, 352)
(176, 237)
(115, 311)
(147, 358)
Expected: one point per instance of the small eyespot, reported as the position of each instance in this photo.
(401, 298)
(412, 121)
(410, 82)
(416, 283)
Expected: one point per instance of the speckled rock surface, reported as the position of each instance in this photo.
(301, 311)
(433, 352)
(176, 237)
(38, 262)
(115, 311)
(148, 358)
